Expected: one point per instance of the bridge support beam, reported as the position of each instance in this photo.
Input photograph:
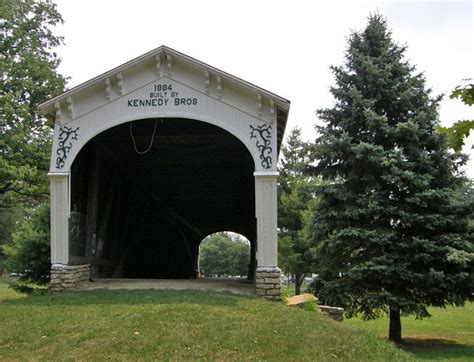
(267, 275)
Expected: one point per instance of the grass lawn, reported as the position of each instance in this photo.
(8, 293)
(447, 335)
(289, 288)
(175, 325)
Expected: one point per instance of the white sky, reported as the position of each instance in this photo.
(285, 47)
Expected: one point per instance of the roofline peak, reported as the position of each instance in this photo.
(45, 107)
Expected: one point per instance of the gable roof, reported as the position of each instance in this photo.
(282, 105)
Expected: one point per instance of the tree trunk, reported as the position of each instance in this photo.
(395, 327)
(298, 281)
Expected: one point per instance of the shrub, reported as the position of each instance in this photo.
(310, 306)
(29, 255)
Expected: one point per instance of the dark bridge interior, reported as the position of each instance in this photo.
(143, 216)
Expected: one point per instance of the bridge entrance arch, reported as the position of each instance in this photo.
(173, 148)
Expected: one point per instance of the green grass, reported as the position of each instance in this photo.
(448, 334)
(8, 293)
(289, 288)
(175, 325)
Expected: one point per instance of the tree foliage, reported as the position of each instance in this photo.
(460, 130)
(29, 255)
(28, 66)
(390, 232)
(9, 219)
(224, 255)
(465, 93)
(295, 199)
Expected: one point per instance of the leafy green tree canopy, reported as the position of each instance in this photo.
(29, 255)
(457, 133)
(390, 232)
(9, 218)
(222, 254)
(465, 93)
(28, 66)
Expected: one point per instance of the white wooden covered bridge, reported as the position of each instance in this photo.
(150, 158)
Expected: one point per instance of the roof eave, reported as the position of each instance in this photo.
(48, 106)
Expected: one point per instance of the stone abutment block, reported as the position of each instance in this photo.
(67, 277)
(267, 283)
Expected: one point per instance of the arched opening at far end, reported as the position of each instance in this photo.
(226, 255)
(144, 195)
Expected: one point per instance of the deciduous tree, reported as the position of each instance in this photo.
(28, 76)
(460, 130)
(9, 219)
(224, 255)
(29, 254)
(295, 199)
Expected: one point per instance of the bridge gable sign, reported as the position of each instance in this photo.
(167, 84)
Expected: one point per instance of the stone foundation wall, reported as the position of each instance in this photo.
(66, 277)
(267, 283)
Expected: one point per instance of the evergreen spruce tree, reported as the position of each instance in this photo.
(390, 232)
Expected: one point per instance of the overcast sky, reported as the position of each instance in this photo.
(285, 47)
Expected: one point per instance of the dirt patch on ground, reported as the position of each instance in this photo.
(237, 286)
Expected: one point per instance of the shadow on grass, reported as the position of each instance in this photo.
(437, 348)
(131, 297)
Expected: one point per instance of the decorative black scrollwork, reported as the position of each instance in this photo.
(263, 136)
(66, 136)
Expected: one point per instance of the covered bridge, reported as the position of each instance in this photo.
(151, 157)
